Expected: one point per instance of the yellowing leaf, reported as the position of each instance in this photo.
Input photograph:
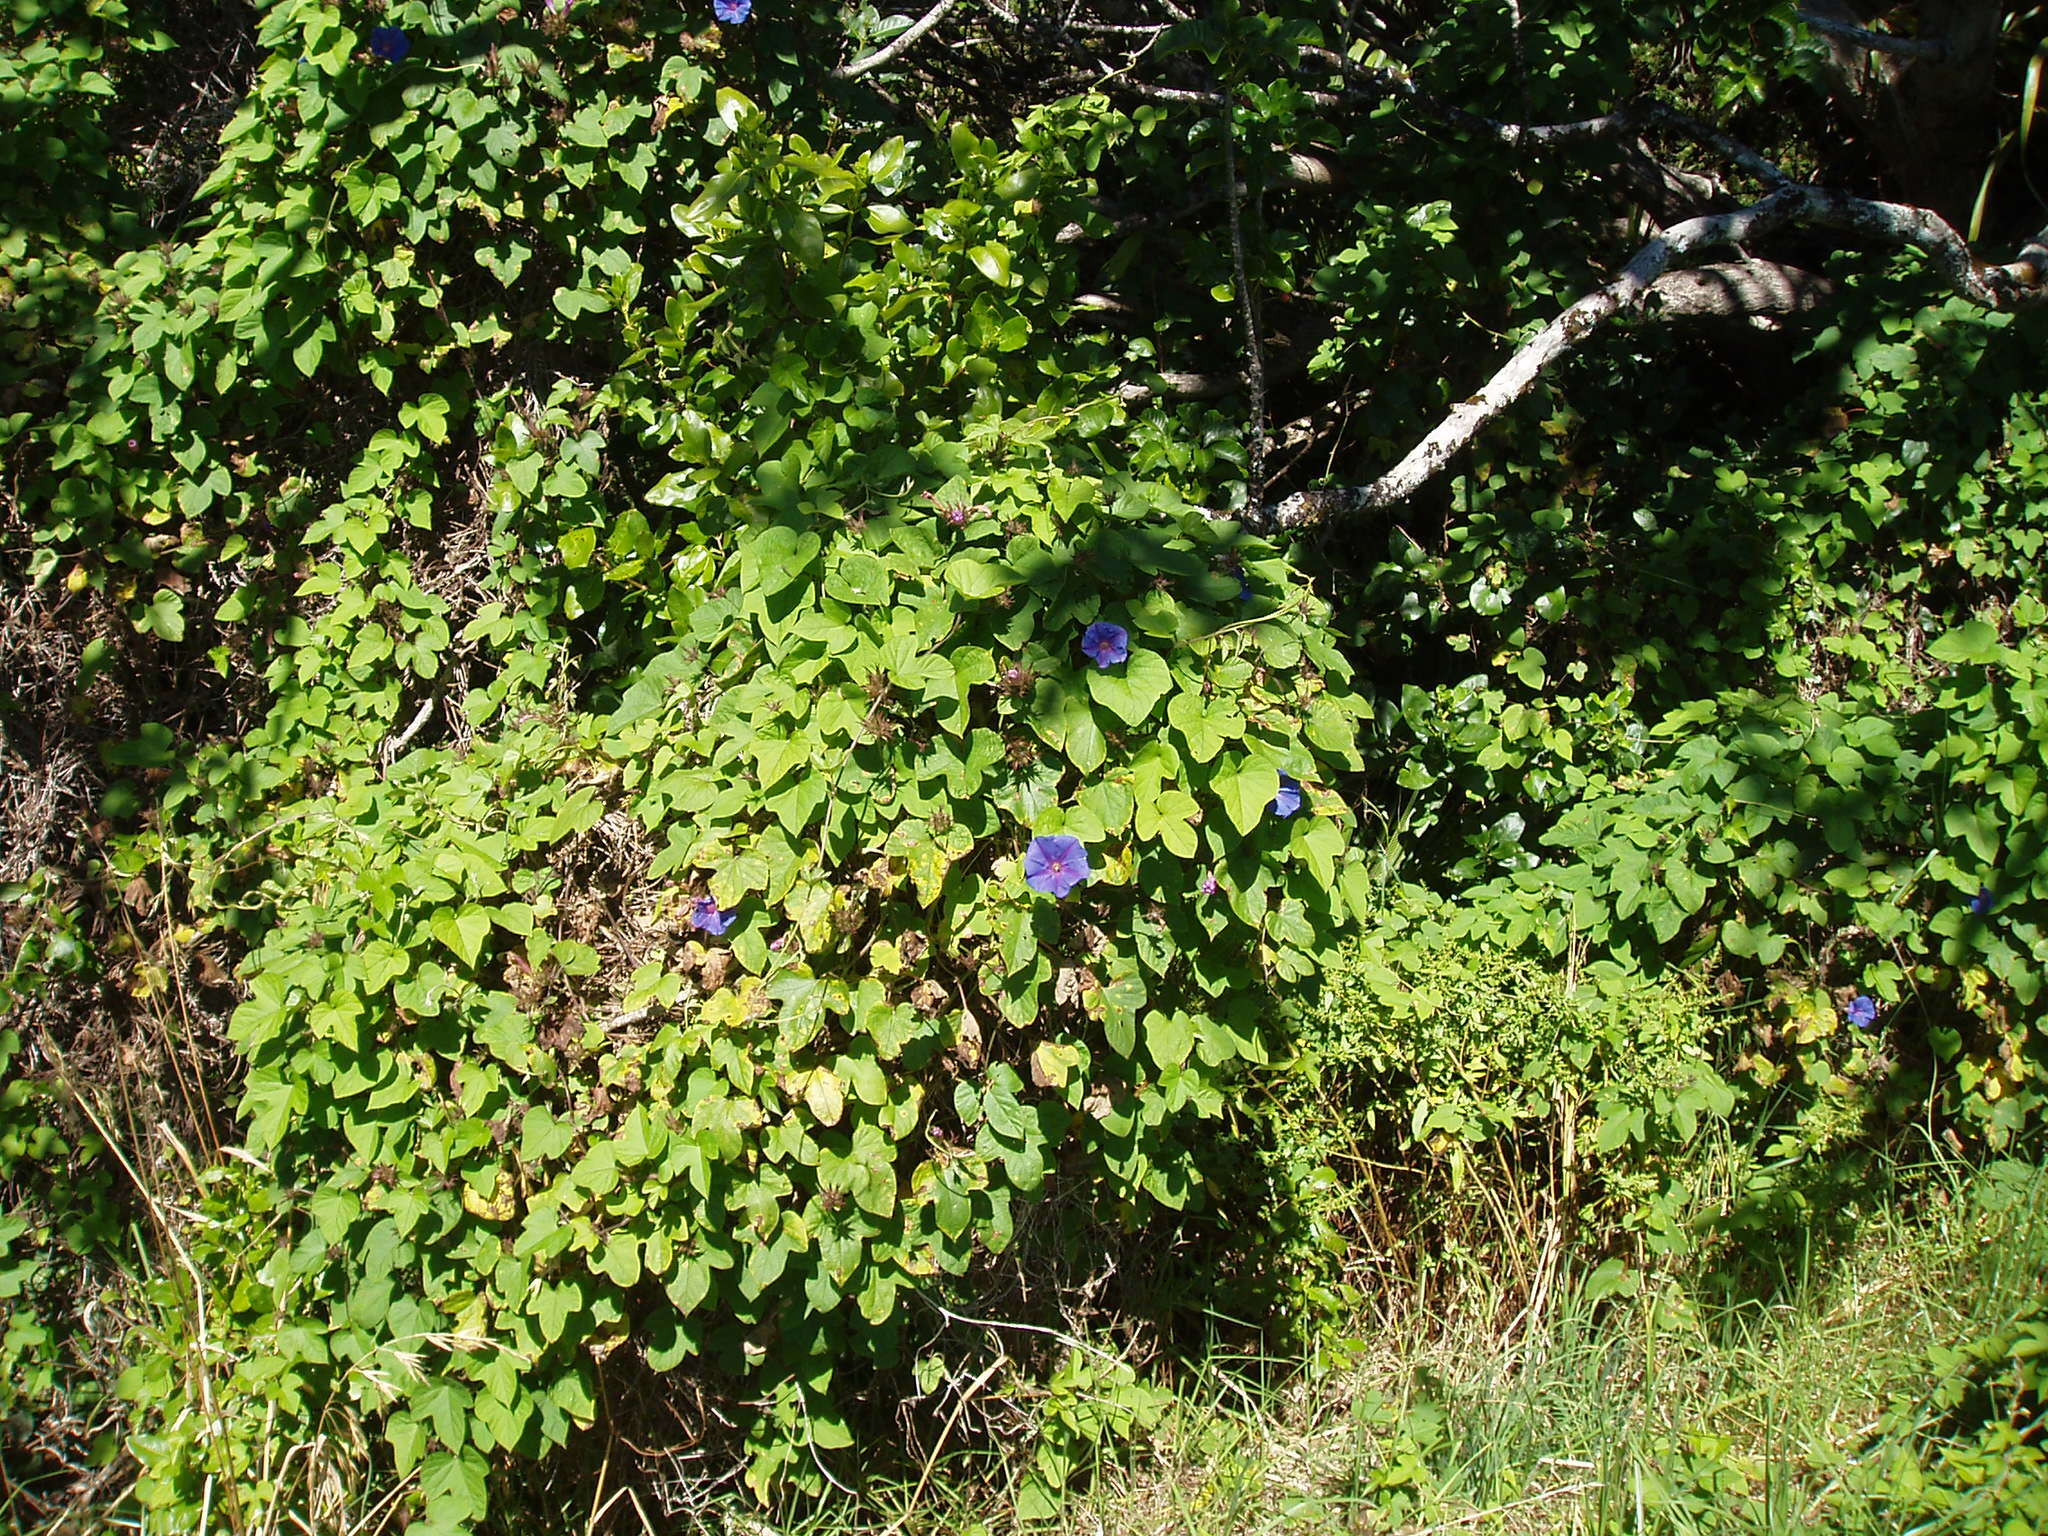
(501, 1205)
(825, 1096)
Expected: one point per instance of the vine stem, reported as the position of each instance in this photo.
(1248, 321)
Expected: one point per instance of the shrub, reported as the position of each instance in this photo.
(1580, 1096)
(942, 849)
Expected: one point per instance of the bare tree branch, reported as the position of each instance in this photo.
(1934, 48)
(1180, 385)
(1733, 289)
(2017, 283)
(897, 44)
(1429, 458)
(1118, 29)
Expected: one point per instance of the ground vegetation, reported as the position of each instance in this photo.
(740, 737)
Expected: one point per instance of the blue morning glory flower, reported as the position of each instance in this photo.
(1054, 865)
(1981, 902)
(390, 44)
(733, 12)
(1105, 644)
(706, 915)
(1288, 801)
(1863, 1011)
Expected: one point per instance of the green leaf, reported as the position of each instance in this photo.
(1687, 887)
(992, 261)
(428, 416)
(1975, 643)
(732, 107)
(269, 1105)
(504, 1031)
(1168, 1037)
(1061, 717)
(571, 303)
(803, 237)
(1168, 816)
(620, 1259)
(978, 578)
(1207, 726)
(1320, 844)
(152, 746)
(825, 1096)
(164, 617)
(446, 1404)
(553, 1305)
(577, 546)
(776, 556)
(306, 355)
(455, 1485)
(1611, 1277)
(463, 931)
(689, 1285)
(1134, 689)
(383, 963)
(407, 1437)
(1247, 793)
(951, 1205)
(860, 579)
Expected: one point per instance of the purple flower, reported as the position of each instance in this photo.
(1863, 1011)
(1288, 801)
(1208, 885)
(390, 44)
(733, 12)
(1105, 644)
(1981, 902)
(1053, 866)
(705, 914)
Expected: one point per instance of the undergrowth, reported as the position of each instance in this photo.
(675, 850)
(1887, 1385)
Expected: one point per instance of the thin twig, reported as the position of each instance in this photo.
(939, 1446)
(413, 727)
(1051, 1333)
(897, 44)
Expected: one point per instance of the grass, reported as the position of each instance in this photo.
(1783, 1393)
(1671, 1409)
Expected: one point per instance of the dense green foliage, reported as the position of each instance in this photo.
(1824, 781)
(572, 558)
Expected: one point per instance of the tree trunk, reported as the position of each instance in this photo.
(1932, 120)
